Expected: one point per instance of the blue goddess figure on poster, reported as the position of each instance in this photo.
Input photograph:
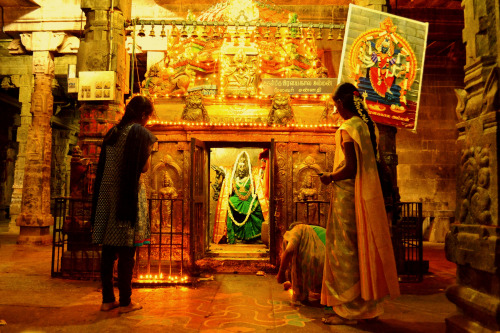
(383, 66)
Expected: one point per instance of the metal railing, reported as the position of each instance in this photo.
(75, 257)
(166, 255)
(312, 213)
(408, 242)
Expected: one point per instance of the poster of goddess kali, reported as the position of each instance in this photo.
(383, 55)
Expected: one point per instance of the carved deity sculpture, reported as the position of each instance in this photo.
(194, 110)
(168, 191)
(163, 214)
(308, 191)
(239, 77)
(167, 82)
(281, 112)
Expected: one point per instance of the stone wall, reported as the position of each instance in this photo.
(427, 158)
(427, 166)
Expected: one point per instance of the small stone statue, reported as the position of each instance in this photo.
(281, 112)
(194, 109)
(168, 190)
(219, 178)
(307, 191)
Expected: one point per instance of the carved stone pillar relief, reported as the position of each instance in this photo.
(472, 242)
(35, 218)
(24, 82)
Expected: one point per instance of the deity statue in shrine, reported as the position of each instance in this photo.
(242, 205)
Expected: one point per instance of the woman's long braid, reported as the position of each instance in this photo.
(363, 113)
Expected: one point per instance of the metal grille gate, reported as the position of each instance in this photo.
(163, 261)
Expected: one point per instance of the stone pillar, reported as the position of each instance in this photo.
(25, 84)
(35, 218)
(95, 54)
(472, 242)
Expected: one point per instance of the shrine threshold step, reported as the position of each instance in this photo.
(236, 258)
(238, 251)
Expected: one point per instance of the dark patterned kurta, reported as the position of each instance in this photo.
(107, 229)
(119, 202)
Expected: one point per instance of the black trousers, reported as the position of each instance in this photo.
(126, 261)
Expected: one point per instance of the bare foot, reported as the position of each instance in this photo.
(336, 320)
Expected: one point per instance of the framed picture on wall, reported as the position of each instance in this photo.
(383, 55)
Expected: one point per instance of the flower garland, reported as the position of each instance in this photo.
(251, 190)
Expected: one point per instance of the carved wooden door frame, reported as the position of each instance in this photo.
(198, 205)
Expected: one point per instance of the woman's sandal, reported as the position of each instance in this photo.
(336, 320)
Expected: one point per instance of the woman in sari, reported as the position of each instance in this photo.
(360, 270)
(304, 253)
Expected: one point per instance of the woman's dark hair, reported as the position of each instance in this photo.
(136, 110)
(349, 95)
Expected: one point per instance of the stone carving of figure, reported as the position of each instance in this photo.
(308, 191)
(166, 81)
(168, 190)
(194, 109)
(220, 174)
(240, 78)
(281, 112)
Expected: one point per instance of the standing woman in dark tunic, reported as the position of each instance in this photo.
(117, 208)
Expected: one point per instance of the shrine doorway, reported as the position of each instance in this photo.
(251, 237)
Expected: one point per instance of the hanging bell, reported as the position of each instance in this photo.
(184, 33)
(162, 32)
(309, 35)
(152, 32)
(141, 32)
(257, 35)
(247, 34)
(330, 35)
(174, 32)
(340, 36)
(277, 35)
(319, 36)
(288, 34)
(266, 34)
(204, 34)
(194, 34)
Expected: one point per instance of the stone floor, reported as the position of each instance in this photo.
(32, 301)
